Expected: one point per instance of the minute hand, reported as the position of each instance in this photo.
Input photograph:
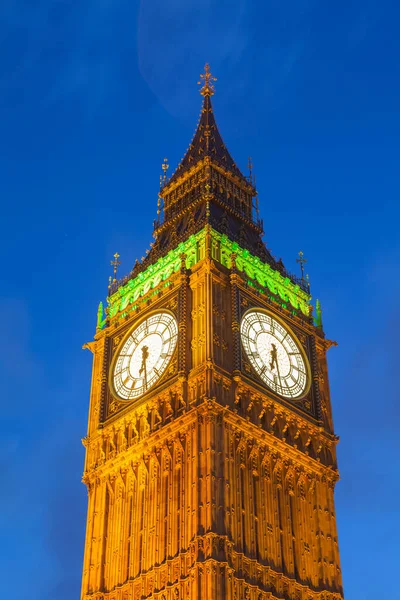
(145, 355)
(279, 375)
(145, 375)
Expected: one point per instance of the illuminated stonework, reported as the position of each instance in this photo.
(213, 481)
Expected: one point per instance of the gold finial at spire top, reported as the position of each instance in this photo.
(206, 80)
(115, 263)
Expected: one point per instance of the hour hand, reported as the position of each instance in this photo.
(274, 357)
(145, 356)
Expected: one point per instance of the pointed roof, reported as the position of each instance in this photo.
(207, 140)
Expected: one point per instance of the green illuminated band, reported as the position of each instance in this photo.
(222, 249)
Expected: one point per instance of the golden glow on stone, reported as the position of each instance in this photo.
(207, 479)
(207, 485)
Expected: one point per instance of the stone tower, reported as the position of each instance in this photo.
(210, 454)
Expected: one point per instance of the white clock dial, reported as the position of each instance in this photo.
(274, 354)
(145, 355)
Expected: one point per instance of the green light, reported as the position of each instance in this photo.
(100, 321)
(124, 299)
(318, 317)
(262, 273)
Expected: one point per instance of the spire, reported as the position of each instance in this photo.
(207, 140)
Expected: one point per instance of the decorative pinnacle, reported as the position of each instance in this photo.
(302, 261)
(250, 167)
(257, 209)
(158, 206)
(99, 315)
(206, 80)
(318, 310)
(115, 263)
(159, 198)
(165, 167)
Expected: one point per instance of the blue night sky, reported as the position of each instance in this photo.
(93, 96)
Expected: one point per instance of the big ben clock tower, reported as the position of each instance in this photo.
(210, 454)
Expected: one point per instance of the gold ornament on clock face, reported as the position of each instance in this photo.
(274, 354)
(145, 355)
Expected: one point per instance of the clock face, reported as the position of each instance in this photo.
(274, 354)
(145, 355)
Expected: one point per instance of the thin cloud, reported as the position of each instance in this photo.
(174, 40)
(56, 50)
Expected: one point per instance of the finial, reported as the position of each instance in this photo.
(318, 317)
(250, 167)
(158, 207)
(302, 261)
(163, 181)
(165, 167)
(206, 80)
(115, 263)
(157, 222)
(257, 209)
(100, 316)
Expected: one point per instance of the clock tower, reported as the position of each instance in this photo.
(210, 454)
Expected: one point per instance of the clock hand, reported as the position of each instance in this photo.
(274, 356)
(143, 367)
(279, 375)
(274, 362)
